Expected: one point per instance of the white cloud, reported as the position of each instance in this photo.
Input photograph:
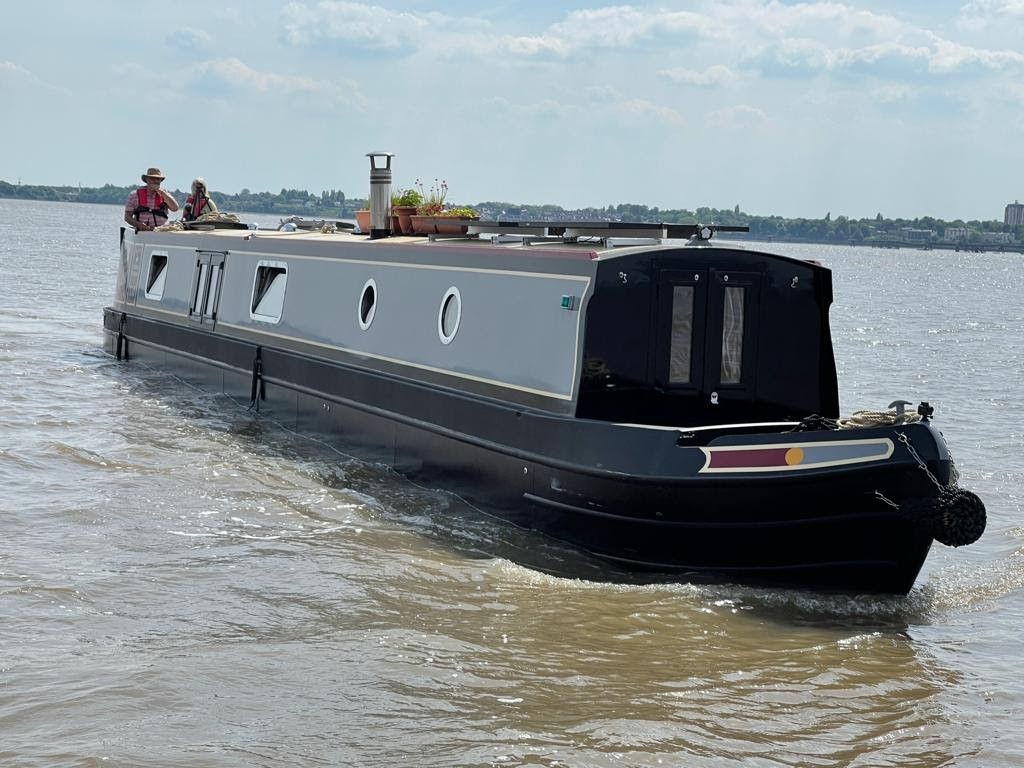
(647, 111)
(825, 21)
(358, 24)
(531, 109)
(951, 57)
(16, 76)
(235, 76)
(599, 101)
(737, 117)
(377, 28)
(892, 94)
(989, 9)
(1012, 93)
(712, 77)
(625, 26)
(190, 39)
(12, 70)
(808, 57)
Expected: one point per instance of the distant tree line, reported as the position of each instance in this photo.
(335, 204)
(329, 203)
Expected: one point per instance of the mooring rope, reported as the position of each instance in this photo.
(876, 419)
(207, 218)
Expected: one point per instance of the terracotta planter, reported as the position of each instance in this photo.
(363, 220)
(441, 225)
(403, 215)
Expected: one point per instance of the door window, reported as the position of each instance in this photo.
(732, 335)
(681, 342)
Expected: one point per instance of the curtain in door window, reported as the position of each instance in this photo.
(732, 336)
(682, 334)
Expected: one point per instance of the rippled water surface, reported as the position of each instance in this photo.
(184, 583)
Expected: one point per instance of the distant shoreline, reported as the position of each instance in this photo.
(924, 233)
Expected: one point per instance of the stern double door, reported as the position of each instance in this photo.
(705, 337)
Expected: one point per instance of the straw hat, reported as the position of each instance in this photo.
(153, 173)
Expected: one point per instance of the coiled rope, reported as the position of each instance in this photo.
(876, 419)
(207, 218)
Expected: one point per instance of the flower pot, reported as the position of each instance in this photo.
(403, 215)
(442, 225)
(363, 220)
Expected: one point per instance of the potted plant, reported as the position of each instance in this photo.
(454, 221)
(403, 207)
(363, 217)
(434, 216)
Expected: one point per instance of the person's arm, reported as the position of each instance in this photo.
(172, 204)
(211, 206)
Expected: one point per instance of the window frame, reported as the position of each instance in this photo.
(255, 302)
(452, 294)
(160, 279)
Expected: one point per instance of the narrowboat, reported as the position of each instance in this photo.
(670, 409)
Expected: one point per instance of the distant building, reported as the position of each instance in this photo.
(1004, 238)
(917, 235)
(955, 234)
(1014, 216)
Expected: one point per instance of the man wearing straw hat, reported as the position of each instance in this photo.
(147, 206)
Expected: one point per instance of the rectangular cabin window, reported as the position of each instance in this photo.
(157, 276)
(200, 295)
(681, 349)
(268, 291)
(732, 335)
(211, 296)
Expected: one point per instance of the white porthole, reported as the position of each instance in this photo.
(367, 304)
(450, 315)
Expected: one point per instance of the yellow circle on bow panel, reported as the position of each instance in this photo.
(794, 456)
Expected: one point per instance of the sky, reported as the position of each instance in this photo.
(792, 108)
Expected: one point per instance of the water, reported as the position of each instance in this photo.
(183, 583)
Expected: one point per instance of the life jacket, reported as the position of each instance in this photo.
(194, 209)
(158, 208)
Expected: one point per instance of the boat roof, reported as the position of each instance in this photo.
(595, 237)
(594, 240)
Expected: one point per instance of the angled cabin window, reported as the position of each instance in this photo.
(268, 291)
(681, 342)
(157, 276)
(732, 335)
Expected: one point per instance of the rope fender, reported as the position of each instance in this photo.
(955, 517)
